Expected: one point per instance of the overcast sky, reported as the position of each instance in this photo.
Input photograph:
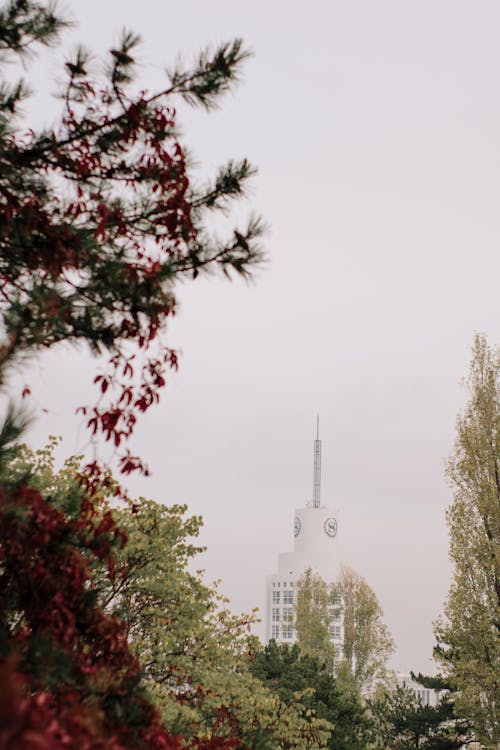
(375, 127)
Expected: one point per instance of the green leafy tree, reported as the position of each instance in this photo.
(193, 653)
(67, 672)
(367, 643)
(468, 637)
(193, 650)
(312, 617)
(293, 675)
(402, 722)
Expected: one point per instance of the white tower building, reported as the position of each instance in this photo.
(315, 546)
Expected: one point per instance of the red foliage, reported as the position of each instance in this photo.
(111, 248)
(99, 221)
(51, 617)
(68, 678)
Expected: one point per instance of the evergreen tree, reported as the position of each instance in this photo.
(100, 215)
(293, 675)
(403, 722)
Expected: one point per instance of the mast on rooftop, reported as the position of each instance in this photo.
(317, 468)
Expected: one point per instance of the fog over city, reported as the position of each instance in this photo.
(375, 130)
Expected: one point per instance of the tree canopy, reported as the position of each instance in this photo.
(360, 664)
(468, 637)
(367, 642)
(313, 617)
(68, 674)
(189, 657)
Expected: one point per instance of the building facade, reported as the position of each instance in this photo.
(426, 696)
(315, 535)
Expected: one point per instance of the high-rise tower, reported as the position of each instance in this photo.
(315, 546)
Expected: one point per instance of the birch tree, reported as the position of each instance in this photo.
(367, 642)
(312, 618)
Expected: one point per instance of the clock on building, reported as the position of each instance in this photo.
(330, 526)
(296, 526)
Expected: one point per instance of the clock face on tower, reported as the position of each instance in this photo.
(296, 526)
(330, 527)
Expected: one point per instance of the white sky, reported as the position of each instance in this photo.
(375, 127)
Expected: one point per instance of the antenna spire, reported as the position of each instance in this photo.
(317, 468)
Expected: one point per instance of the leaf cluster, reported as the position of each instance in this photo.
(98, 217)
(366, 641)
(66, 668)
(24, 24)
(312, 617)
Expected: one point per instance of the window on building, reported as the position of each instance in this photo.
(287, 597)
(336, 651)
(335, 631)
(335, 617)
(275, 631)
(336, 601)
(276, 615)
(287, 614)
(276, 597)
(288, 631)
